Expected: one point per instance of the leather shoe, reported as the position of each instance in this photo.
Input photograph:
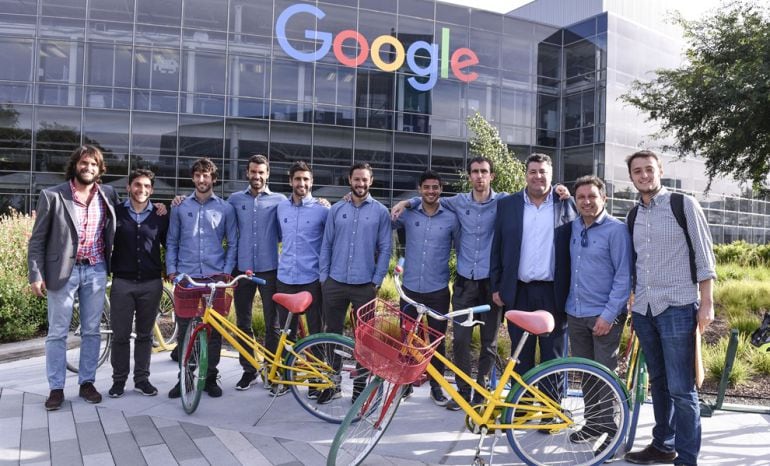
(650, 455)
(54, 400)
(88, 392)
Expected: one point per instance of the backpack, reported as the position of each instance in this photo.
(677, 207)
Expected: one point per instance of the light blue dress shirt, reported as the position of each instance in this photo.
(477, 227)
(302, 230)
(600, 282)
(195, 234)
(258, 231)
(357, 243)
(429, 239)
(139, 217)
(537, 252)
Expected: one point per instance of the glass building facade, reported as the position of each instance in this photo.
(157, 84)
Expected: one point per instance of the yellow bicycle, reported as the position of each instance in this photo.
(308, 367)
(569, 411)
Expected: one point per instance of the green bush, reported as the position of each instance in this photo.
(22, 315)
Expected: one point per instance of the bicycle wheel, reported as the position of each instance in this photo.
(373, 411)
(166, 318)
(590, 397)
(332, 355)
(73, 337)
(638, 394)
(193, 365)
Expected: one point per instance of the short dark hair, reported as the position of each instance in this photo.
(538, 157)
(86, 150)
(361, 166)
(642, 154)
(299, 166)
(592, 180)
(258, 159)
(481, 159)
(204, 165)
(142, 172)
(430, 175)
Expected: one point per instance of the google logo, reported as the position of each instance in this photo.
(461, 58)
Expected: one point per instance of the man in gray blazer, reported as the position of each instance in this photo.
(69, 254)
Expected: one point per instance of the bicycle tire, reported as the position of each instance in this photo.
(165, 318)
(569, 378)
(73, 337)
(193, 365)
(366, 422)
(326, 347)
(638, 395)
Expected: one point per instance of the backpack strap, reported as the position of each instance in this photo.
(677, 207)
(630, 220)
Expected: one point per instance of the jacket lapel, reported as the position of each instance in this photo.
(69, 203)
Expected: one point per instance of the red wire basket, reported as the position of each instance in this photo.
(190, 301)
(385, 345)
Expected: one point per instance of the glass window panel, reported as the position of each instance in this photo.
(577, 163)
(374, 147)
(572, 111)
(153, 134)
(487, 21)
(22, 7)
(447, 128)
(290, 142)
(484, 100)
(572, 138)
(156, 68)
(290, 80)
(449, 99)
(248, 108)
(516, 108)
(411, 152)
(59, 94)
(548, 60)
(416, 8)
(412, 29)
(204, 72)
(17, 59)
(157, 36)
(382, 185)
(59, 27)
(108, 97)
(332, 146)
(200, 137)
(413, 123)
(286, 111)
(60, 62)
(249, 76)
(447, 156)
(547, 138)
(109, 65)
(458, 36)
(582, 30)
(56, 129)
(112, 10)
(15, 159)
(453, 14)
(204, 104)
(580, 58)
(381, 90)
(379, 5)
(547, 111)
(15, 127)
(406, 182)
(107, 31)
(64, 8)
(167, 12)
(205, 14)
(374, 23)
(158, 101)
(250, 17)
(107, 129)
(518, 54)
(486, 45)
(516, 135)
(244, 138)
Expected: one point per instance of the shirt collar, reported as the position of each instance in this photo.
(492, 194)
(599, 220)
(307, 200)
(129, 206)
(192, 198)
(264, 192)
(548, 197)
(422, 209)
(367, 199)
(661, 197)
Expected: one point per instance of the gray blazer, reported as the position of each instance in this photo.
(54, 241)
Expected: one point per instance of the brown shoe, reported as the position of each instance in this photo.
(54, 400)
(650, 455)
(88, 392)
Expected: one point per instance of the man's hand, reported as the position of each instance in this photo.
(498, 300)
(398, 209)
(347, 197)
(324, 202)
(160, 208)
(562, 192)
(601, 327)
(705, 314)
(38, 288)
(177, 200)
(170, 277)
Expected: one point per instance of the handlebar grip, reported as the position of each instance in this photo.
(178, 279)
(258, 281)
(480, 309)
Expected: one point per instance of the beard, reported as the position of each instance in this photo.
(81, 177)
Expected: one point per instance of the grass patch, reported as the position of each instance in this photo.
(759, 361)
(714, 361)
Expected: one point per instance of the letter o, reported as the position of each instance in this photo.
(340, 54)
(398, 46)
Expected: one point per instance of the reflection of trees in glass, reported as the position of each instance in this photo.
(11, 136)
(54, 144)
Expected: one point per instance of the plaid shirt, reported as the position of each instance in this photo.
(91, 217)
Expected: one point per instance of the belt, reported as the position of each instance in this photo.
(82, 262)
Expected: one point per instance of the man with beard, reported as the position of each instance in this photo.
(258, 237)
(430, 231)
(137, 282)
(674, 274)
(194, 246)
(69, 254)
(523, 271)
(355, 253)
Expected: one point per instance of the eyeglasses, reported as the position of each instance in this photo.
(584, 238)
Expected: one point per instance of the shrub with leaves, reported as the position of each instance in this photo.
(22, 315)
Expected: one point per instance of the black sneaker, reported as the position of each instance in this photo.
(145, 388)
(175, 392)
(212, 387)
(54, 400)
(452, 405)
(313, 393)
(89, 393)
(117, 390)
(437, 395)
(328, 395)
(408, 390)
(247, 380)
(175, 353)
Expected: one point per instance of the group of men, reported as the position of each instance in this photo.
(534, 249)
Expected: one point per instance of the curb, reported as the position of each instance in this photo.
(22, 350)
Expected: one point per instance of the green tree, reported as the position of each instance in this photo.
(717, 105)
(509, 171)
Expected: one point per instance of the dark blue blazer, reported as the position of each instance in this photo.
(506, 249)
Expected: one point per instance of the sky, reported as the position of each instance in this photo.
(690, 8)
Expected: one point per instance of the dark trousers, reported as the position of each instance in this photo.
(469, 293)
(243, 298)
(336, 299)
(214, 346)
(438, 301)
(313, 313)
(131, 300)
(531, 297)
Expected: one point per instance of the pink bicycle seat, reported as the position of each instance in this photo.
(535, 322)
(295, 302)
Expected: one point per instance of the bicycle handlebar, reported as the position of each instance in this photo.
(212, 285)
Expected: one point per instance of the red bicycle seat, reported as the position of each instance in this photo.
(295, 302)
(535, 322)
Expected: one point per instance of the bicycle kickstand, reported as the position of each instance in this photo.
(477, 459)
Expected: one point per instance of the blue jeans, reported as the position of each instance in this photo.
(89, 282)
(668, 342)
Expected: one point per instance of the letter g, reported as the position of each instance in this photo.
(324, 37)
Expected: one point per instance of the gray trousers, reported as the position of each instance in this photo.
(131, 299)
